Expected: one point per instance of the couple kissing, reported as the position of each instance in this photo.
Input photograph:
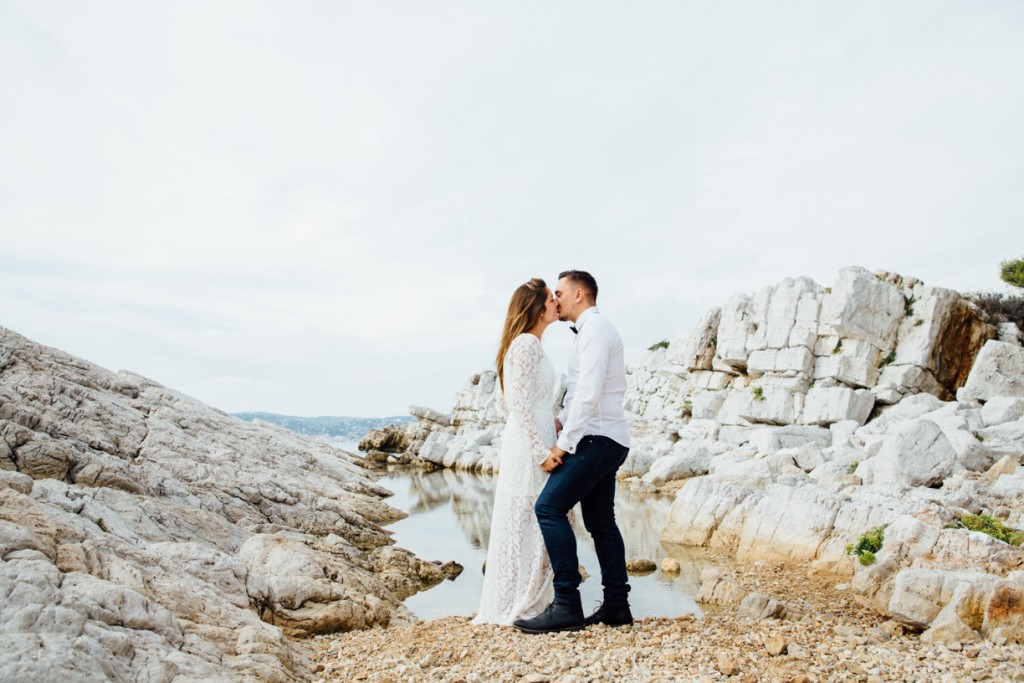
(548, 464)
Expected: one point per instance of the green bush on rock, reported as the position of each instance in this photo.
(868, 543)
(989, 525)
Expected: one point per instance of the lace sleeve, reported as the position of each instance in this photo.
(522, 367)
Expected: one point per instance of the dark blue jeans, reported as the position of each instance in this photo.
(586, 477)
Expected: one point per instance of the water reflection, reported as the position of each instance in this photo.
(450, 517)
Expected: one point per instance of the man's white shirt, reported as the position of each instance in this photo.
(595, 384)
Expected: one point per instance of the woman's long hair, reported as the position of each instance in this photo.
(524, 310)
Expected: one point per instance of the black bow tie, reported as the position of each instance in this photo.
(574, 330)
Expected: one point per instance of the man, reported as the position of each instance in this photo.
(591, 447)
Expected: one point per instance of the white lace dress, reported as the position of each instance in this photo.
(517, 583)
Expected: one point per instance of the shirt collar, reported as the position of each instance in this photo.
(583, 317)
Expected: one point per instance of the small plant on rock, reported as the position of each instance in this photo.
(758, 394)
(851, 468)
(663, 344)
(868, 543)
(839, 348)
(888, 359)
(908, 305)
(991, 526)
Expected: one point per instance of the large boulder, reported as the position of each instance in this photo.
(390, 439)
(998, 371)
(916, 453)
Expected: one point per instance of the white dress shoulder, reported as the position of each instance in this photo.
(518, 578)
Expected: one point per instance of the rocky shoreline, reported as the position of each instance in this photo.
(145, 536)
(825, 636)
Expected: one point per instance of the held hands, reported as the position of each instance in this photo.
(554, 459)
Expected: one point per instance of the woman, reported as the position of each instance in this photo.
(517, 582)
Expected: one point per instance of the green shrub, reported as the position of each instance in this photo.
(758, 394)
(1012, 272)
(868, 543)
(1000, 307)
(663, 344)
(888, 359)
(991, 526)
(908, 305)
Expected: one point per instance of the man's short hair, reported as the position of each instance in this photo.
(583, 280)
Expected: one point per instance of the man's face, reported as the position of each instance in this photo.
(567, 295)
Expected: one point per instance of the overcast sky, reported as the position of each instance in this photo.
(322, 208)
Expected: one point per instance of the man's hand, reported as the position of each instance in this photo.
(558, 427)
(554, 459)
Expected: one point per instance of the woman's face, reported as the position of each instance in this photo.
(550, 308)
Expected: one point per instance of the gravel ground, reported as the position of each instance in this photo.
(825, 637)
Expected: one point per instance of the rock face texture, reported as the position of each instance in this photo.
(794, 419)
(146, 536)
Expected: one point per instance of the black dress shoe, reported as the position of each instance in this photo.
(611, 616)
(555, 617)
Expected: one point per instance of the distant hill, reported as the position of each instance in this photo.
(331, 428)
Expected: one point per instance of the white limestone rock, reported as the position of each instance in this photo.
(788, 523)
(845, 369)
(1004, 618)
(824, 406)
(768, 439)
(760, 606)
(1000, 409)
(908, 408)
(430, 415)
(916, 453)
(844, 431)
(690, 461)
(785, 312)
(998, 371)
(699, 508)
(764, 403)
(638, 462)
(1009, 332)
(862, 306)
(716, 588)
(898, 381)
(787, 362)
(706, 405)
(696, 349)
(920, 594)
(736, 324)
(121, 539)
